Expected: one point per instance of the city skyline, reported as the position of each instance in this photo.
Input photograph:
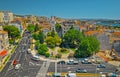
(90, 9)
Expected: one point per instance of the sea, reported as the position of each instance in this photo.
(108, 24)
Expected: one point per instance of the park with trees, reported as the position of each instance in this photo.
(73, 40)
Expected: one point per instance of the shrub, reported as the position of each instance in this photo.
(47, 55)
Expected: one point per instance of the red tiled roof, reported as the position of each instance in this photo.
(116, 33)
(3, 53)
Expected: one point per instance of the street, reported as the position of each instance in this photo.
(30, 68)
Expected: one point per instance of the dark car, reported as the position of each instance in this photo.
(81, 70)
(61, 62)
(101, 66)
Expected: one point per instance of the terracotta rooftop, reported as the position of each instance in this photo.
(116, 33)
(3, 53)
(3, 32)
(90, 32)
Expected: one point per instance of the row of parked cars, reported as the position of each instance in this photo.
(84, 61)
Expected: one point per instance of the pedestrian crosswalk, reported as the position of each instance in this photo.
(43, 70)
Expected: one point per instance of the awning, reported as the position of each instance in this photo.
(3, 53)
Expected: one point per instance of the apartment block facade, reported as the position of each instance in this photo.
(6, 16)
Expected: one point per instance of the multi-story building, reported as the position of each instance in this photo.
(4, 41)
(4, 44)
(67, 25)
(6, 16)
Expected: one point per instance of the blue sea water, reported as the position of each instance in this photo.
(108, 24)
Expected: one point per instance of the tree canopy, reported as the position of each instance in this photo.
(13, 32)
(53, 39)
(41, 37)
(31, 28)
(42, 49)
(72, 38)
(58, 27)
(87, 47)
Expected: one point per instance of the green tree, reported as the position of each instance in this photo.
(42, 49)
(57, 40)
(13, 32)
(31, 28)
(41, 37)
(50, 42)
(58, 27)
(37, 44)
(87, 47)
(53, 39)
(35, 36)
(37, 28)
(53, 33)
(72, 38)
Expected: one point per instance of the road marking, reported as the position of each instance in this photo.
(19, 56)
(31, 63)
(43, 70)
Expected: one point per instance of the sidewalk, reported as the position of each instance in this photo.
(33, 52)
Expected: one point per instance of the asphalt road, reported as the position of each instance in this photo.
(31, 68)
(91, 68)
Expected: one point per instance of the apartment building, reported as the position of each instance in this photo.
(67, 25)
(4, 44)
(6, 16)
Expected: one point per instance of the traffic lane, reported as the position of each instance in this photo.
(91, 68)
(3, 72)
(51, 67)
(30, 72)
(26, 70)
(65, 68)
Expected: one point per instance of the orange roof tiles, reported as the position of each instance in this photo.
(81, 26)
(3, 53)
(116, 33)
(3, 32)
(90, 32)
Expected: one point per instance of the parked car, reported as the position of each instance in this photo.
(14, 62)
(61, 62)
(72, 62)
(35, 58)
(79, 70)
(85, 62)
(101, 66)
(17, 66)
(70, 75)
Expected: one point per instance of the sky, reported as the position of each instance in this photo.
(91, 9)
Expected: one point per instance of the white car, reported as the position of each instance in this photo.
(17, 66)
(35, 58)
(70, 75)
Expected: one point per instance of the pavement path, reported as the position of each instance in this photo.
(43, 70)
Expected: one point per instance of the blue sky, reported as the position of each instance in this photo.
(109, 9)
